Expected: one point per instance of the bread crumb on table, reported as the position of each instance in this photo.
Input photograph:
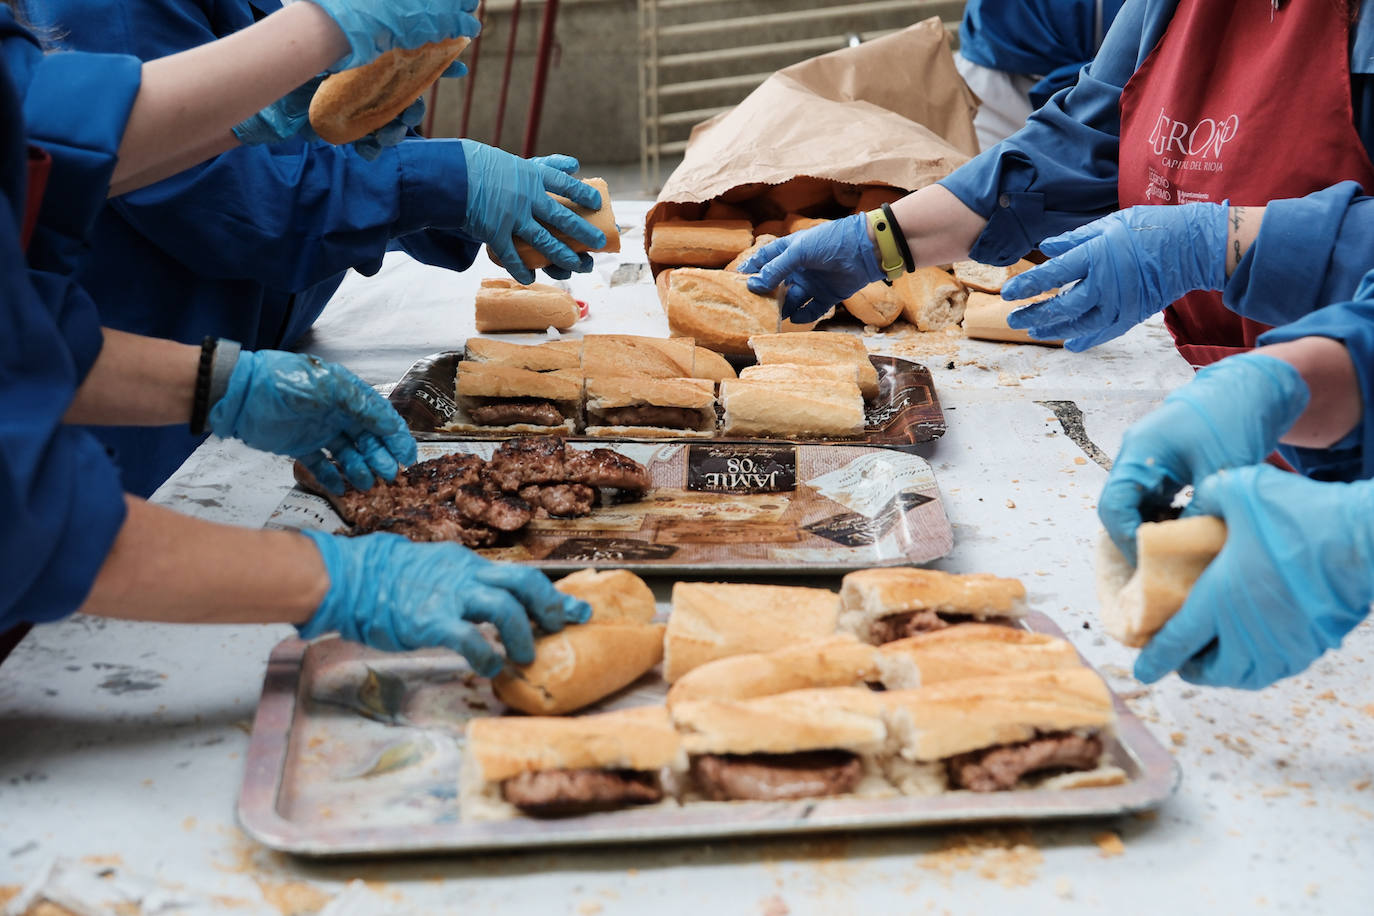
(1109, 844)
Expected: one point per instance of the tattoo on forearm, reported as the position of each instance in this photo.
(1236, 244)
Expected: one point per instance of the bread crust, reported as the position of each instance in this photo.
(836, 661)
(603, 219)
(580, 665)
(711, 365)
(475, 383)
(643, 738)
(717, 309)
(931, 298)
(610, 392)
(699, 243)
(970, 650)
(818, 348)
(504, 305)
(616, 595)
(605, 355)
(711, 620)
(985, 277)
(797, 372)
(868, 595)
(816, 408)
(1136, 603)
(351, 104)
(545, 357)
(841, 718)
(985, 317)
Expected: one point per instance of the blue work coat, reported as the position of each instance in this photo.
(251, 244)
(61, 505)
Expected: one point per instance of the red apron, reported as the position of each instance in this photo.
(39, 164)
(1245, 103)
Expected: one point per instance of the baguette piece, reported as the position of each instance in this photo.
(931, 298)
(986, 278)
(985, 317)
(818, 348)
(580, 665)
(711, 620)
(801, 193)
(501, 748)
(760, 240)
(818, 408)
(717, 310)
(504, 305)
(839, 718)
(627, 354)
(876, 304)
(486, 384)
(870, 595)
(545, 357)
(603, 219)
(836, 661)
(351, 104)
(720, 210)
(874, 196)
(796, 372)
(694, 398)
(967, 651)
(699, 243)
(1136, 603)
(616, 595)
(711, 365)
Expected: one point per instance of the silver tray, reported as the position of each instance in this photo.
(355, 752)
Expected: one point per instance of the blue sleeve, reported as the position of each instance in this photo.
(1352, 323)
(1060, 170)
(292, 215)
(1035, 37)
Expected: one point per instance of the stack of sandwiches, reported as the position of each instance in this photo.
(806, 385)
(771, 700)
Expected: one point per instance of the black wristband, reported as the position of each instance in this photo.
(200, 402)
(900, 236)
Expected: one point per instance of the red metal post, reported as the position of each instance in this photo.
(472, 73)
(505, 73)
(541, 75)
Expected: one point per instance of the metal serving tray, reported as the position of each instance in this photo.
(726, 507)
(905, 412)
(355, 752)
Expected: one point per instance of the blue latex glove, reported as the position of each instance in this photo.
(300, 406)
(1128, 265)
(391, 594)
(509, 196)
(374, 27)
(1230, 415)
(1296, 574)
(290, 117)
(821, 266)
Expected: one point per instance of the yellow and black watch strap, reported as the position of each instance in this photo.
(889, 251)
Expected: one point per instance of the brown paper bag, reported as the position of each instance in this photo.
(889, 112)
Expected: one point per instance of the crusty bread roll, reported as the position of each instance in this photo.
(711, 620)
(774, 228)
(986, 278)
(759, 241)
(545, 357)
(939, 721)
(840, 718)
(797, 372)
(795, 222)
(481, 384)
(801, 193)
(836, 661)
(1137, 602)
(877, 304)
(868, 595)
(813, 408)
(874, 196)
(970, 650)
(719, 210)
(985, 317)
(616, 595)
(716, 308)
(818, 348)
(628, 354)
(931, 298)
(580, 665)
(349, 105)
(847, 195)
(603, 219)
(711, 365)
(500, 748)
(504, 305)
(611, 393)
(699, 243)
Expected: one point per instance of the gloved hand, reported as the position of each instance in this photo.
(374, 27)
(391, 594)
(299, 406)
(508, 197)
(1295, 575)
(289, 116)
(1230, 415)
(821, 266)
(1128, 265)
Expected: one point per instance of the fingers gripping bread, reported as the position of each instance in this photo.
(352, 104)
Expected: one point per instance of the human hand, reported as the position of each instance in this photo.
(289, 116)
(391, 594)
(374, 27)
(1125, 267)
(1295, 575)
(821, 266)
(1230, 415)
(508, 197)
(301, 406)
